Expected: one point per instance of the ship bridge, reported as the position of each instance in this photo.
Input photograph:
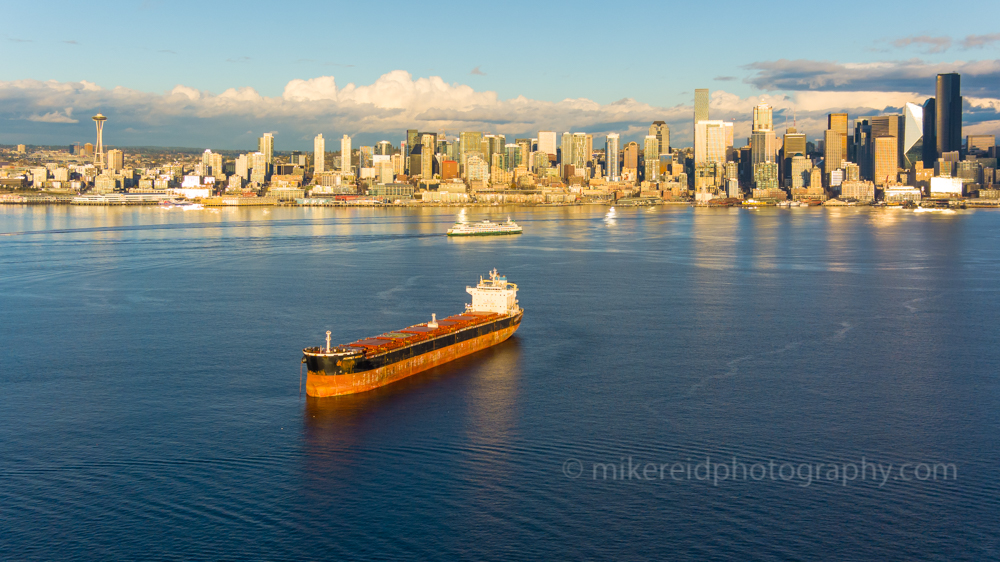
(493, 295)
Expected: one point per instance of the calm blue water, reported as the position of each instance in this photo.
(150, 405)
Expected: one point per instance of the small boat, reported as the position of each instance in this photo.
(181, 204)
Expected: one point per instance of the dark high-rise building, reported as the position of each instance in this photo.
(948, 115)
(863, 150)
(930, 138)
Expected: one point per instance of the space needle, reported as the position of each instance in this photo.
(99, 149)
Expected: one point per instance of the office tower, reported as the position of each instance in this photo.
(798, 175)
(979, 145)
(579, 157)
(243, 166)
(912, 135)
(428, 144)
(525, 147)
(258, 166)
(762, 147)
(611, 157)
(701, 105)
(365, 154)
(468, 142)
(213, 165)
(547, 142)
(862, 147)
(588, 149)
(886, 160)
(888, 126)
(661, 131)
(566, 150)
(763, 117)
(345, 154)
(266, 147)
(793, 144)
(651, 157)
(99, 152)
(712, 137)
(930, 137)
(765, 175)
(383, 148)
(700, 112)
(630, 156)
(838, 122)
(116, 160)
(833, 157)
(319, 154)
(412, 140)
(512, 152)
(948, 113)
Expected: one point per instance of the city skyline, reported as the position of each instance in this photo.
(182, 87)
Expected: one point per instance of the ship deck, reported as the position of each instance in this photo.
(391, 341)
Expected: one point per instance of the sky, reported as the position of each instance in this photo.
(218, 75)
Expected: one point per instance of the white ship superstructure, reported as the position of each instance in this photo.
(485, 228)
(493, 295)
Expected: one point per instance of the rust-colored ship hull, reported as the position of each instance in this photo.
(322, 385)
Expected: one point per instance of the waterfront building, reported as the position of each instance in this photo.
(860, 190)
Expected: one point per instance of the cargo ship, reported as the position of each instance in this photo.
(492, 317)
(485, 228)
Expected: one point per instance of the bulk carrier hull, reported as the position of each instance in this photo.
(330, 375)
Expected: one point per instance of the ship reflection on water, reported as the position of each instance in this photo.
(358, 437)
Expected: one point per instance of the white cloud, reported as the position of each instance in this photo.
(54, 117)
(397, 101)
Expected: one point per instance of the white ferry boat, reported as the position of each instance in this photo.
(484, 228)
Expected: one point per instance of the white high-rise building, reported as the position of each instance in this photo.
(651, 157)
(266, 147)
(611, 157)
(345, 154)
(713, 137)
(763, 117)
(243, 166)
(547, 142)
(319, 154)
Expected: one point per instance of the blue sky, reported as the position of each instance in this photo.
(651, 53)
